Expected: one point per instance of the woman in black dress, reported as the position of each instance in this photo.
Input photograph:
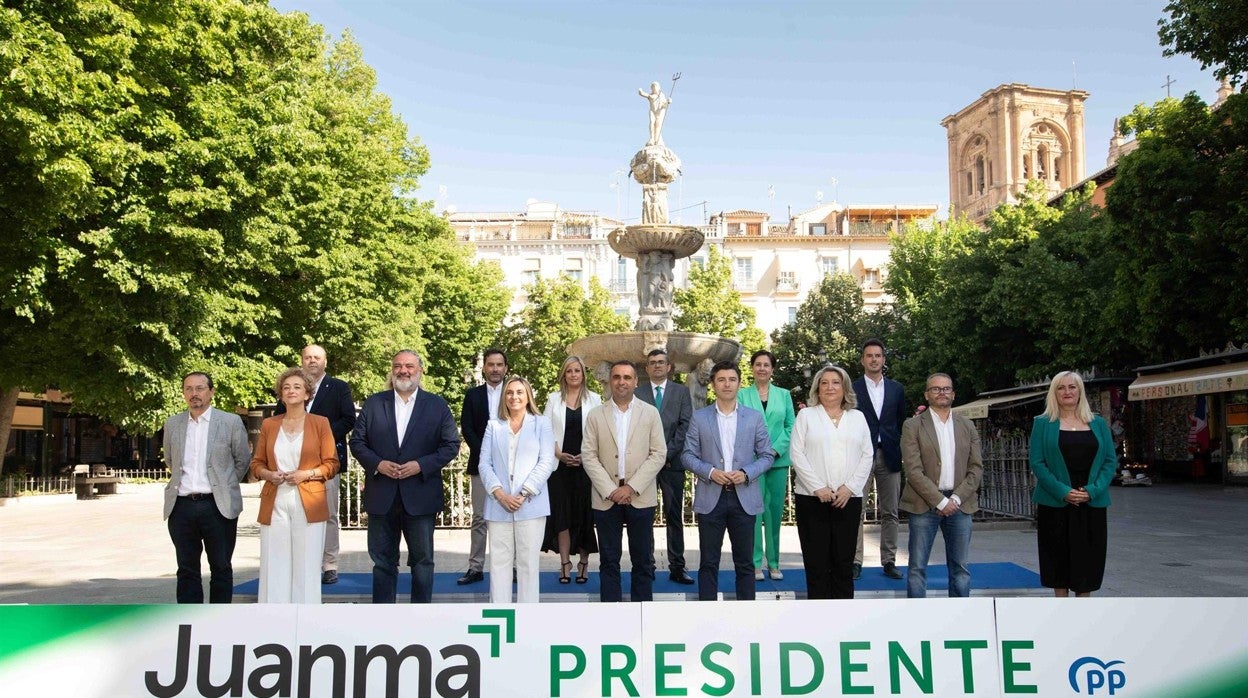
(1072, 455)
(570, 526)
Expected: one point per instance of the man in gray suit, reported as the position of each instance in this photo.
(207, 454)
(675, 409)
(940, 450)
(728, 449)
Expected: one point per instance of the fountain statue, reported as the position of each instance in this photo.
(656, 245)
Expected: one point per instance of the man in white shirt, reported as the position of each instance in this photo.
(675, 407)
(943, 465)
(207, 454)
(728, 449)
(622, 454)
(480, 406)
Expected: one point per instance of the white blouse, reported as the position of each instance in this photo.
(288, 449)
(825, 454)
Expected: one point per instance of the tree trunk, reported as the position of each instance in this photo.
(8, 405)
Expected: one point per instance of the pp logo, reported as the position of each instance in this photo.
(1097, 675)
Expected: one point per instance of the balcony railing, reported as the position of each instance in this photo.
(622, 286)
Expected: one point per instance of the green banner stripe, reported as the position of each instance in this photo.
(1230, 681)
(25, 628)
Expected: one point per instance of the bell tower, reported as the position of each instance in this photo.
(1011, 134)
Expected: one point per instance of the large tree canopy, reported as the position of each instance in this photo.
(710, 304)
(195, 184)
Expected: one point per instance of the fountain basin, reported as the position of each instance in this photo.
(689, 352)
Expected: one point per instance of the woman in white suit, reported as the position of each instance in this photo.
(570, 527)
(517, 457)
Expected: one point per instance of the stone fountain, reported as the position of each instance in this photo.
(656, 245)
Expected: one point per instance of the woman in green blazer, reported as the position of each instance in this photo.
(776, 404)
(1073, 458)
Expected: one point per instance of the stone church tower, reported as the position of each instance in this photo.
(1009, 135)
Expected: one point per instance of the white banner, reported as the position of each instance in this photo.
(895, 647)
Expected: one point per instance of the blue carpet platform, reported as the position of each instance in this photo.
(987, 579)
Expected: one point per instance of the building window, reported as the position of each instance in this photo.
(829, 265)
(574, 268)
(754, 229)
(792, 314)
(745, 272)
(818, 228)
(786, 281)
(698, 261)
(622, 312)
(532, 270)
(871, 278)
(619, 281)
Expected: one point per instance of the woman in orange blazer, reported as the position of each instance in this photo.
(294, 457)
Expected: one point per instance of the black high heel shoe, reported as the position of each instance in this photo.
(564, 570)
(582, 572)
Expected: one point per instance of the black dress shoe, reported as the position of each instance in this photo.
(891, 571)
(857, 571)
(470, 577)
(680, 577)
(329, 577)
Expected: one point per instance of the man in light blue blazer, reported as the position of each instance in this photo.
(728, 449)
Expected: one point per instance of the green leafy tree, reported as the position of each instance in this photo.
(558, 312)
(830, 323)
(1181, 228)
(203, 184)
(1214, 32)
(711, 305)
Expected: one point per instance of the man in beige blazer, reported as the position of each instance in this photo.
(622, 454)
(941, 458)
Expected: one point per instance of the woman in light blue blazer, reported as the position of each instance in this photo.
(776, 404)
(1072, 455)
(517, 457)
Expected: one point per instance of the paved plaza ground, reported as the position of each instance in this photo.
(1167, 540)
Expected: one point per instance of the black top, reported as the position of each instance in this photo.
(571, 431)
(1079, 451)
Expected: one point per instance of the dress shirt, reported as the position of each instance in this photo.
(403, 413)
(945, 437)
(876, 392)
(316, 388)
(656, 387)
(195, 457)
(622, 418)
(727, 435)
(493, 394)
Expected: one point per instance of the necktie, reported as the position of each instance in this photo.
(658, 397)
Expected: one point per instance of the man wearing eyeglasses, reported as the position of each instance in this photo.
(675, 411)
(943, 467)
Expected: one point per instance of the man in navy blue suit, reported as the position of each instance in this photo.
(883, 402)
(330, 398)
(403, 438)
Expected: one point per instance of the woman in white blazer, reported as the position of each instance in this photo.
(517, 457)
(570, 527)
(832, 453)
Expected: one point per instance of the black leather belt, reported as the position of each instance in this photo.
(195, 496)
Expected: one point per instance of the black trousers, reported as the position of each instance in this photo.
(829, 537)
(196, 526)
(672, 487)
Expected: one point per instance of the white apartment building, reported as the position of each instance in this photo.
(774, 264)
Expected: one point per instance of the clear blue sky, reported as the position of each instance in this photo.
(518, 100)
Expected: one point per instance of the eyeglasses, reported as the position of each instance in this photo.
(941, 389)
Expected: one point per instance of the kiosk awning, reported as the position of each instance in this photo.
(979, 408)
(1197, 381)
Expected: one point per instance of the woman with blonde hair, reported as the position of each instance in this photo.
(1072, 456)
(570, 526)
(832, 454)
(517, 457)
(294, 457)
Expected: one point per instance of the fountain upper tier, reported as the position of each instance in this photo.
(636, 240)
